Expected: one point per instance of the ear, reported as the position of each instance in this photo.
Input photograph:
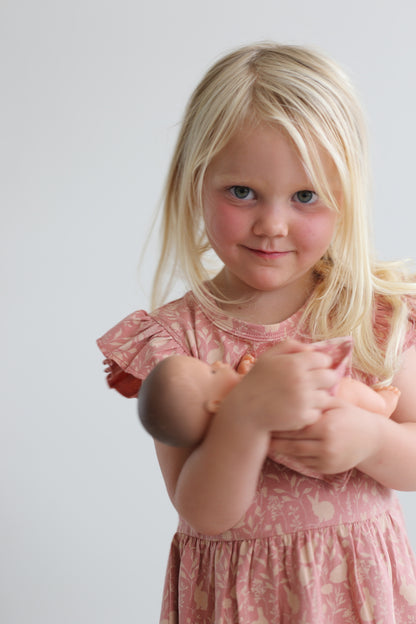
(212, 405)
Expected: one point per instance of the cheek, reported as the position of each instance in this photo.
(223, 222)
(226, 385)
(316, 234)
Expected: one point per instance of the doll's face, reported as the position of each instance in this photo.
(212, 382)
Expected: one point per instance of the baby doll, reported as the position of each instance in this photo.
(182, 393)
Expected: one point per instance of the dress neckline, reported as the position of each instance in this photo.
(246, 329)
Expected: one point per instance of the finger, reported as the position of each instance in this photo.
(320, 400)
(294, 447)
(311, 463)
(325, 378)
(310, 433)
(309, 418)
(291, 346)
(315, 359)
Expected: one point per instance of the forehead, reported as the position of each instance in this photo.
(262, 147)
(267, 151)
(249, 142)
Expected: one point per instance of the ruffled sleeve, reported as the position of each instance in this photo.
(410, 339)
(132, 348)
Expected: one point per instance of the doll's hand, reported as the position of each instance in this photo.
(341, 439)
(246, 364)
(287, 388)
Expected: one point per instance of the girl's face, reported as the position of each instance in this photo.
(263, 217)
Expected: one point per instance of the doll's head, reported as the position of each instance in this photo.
(311, 100)
(179, 396)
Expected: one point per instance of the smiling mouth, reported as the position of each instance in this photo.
(268, 254)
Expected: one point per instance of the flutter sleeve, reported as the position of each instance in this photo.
(132, 348)
(410, 339)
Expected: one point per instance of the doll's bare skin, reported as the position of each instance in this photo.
(179, 397)
(182, 393)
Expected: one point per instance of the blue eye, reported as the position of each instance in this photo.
(306, 197)
(242, 192)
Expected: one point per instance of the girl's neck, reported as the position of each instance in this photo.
(262, 307)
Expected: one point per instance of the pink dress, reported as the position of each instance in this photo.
(308, 550)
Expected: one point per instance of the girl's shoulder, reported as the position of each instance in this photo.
(137, 343)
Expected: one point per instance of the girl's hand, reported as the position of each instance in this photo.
(286, 390)
(341, 439)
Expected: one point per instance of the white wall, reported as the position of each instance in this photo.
(91, 95)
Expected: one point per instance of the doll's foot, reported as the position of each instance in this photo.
(391, 396)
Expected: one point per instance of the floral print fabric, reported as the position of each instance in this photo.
(309, 550)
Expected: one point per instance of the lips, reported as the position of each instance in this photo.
(268, 253)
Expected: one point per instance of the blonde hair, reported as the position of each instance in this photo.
(311, 98)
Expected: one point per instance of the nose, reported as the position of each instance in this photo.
(272, 220)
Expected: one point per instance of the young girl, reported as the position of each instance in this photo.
(270, 172)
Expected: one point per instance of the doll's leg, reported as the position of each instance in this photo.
(391, 396)
(382, 401)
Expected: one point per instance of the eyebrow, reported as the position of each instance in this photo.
(237, 178)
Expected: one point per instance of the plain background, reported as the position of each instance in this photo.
(92, 92)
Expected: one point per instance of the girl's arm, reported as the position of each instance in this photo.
(213, 485)
(393, 461)
(347, 436)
